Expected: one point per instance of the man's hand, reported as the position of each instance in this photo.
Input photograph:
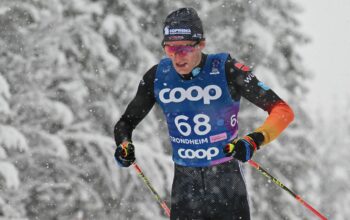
(125, 154)
(244, 148)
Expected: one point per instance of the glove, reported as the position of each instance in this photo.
(243, 148)
(125, 154)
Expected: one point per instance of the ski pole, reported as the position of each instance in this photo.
(146, 181)
(277, 182)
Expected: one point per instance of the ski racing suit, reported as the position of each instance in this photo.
(201, 109)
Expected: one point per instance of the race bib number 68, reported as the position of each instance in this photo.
(201, 124)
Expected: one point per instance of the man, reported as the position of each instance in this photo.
(200, 97)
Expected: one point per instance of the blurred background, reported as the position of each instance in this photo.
(68, 69)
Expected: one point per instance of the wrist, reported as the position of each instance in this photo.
(125, 143)
(253, 145)
(257, 138)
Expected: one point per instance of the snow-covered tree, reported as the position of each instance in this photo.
(66, 90)
(333, 142)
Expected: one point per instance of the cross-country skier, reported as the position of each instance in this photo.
(200, 96)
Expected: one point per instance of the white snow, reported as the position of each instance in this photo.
(4, 88)
(62, 113)
(3, 154)
(10, 173)
(11, 138)
(68, 77)
(4, 107)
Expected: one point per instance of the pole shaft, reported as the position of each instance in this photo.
(150, 187)
(277, 182)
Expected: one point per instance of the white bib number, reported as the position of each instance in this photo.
(201, 127)
(233, 120)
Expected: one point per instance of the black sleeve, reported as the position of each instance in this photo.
(137, 109)
(242, 82)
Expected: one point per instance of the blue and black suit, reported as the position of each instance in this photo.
(201, 109)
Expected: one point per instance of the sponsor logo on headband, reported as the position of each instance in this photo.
(179, 31)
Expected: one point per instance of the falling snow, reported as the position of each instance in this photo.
(68, 70)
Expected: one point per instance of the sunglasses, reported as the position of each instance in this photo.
(181, 50)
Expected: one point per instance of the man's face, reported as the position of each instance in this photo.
(185, 55)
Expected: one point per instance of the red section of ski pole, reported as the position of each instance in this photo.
(307, 205)
(148, 184)
(254, 164)
(166, 209)
(277, 182)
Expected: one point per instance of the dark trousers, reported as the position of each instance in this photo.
(208, 193)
